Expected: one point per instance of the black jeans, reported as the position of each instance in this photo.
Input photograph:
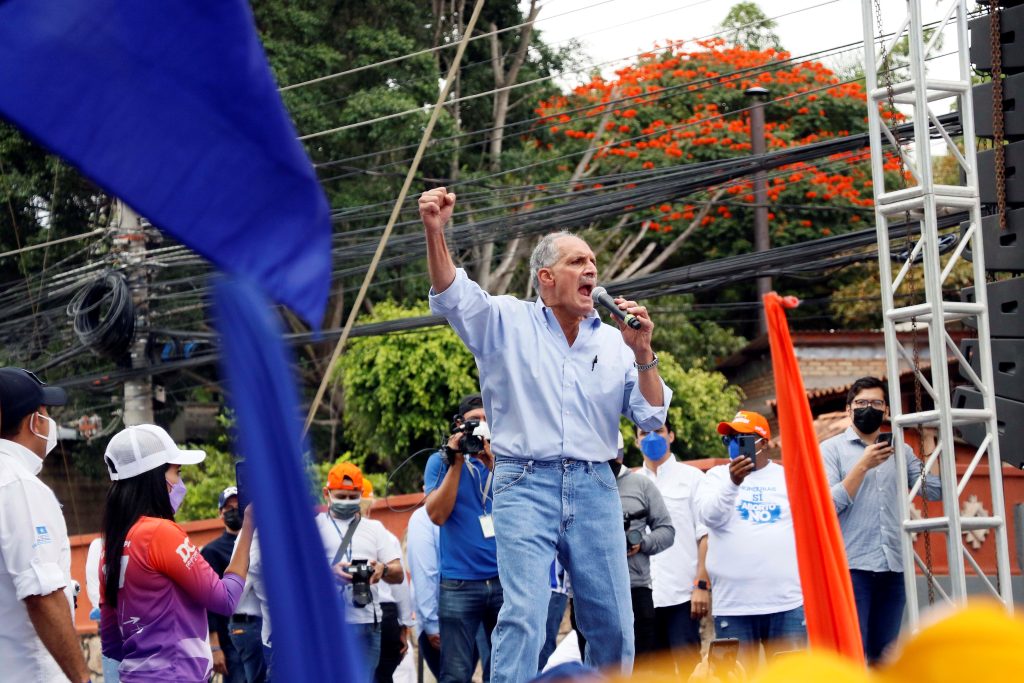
(390, 643)
(643, 620)
(430, 656)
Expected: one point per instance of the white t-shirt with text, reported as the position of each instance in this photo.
(751, 546)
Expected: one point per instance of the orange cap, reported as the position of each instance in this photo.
(746, 422)
(367, 488)
(342, 471)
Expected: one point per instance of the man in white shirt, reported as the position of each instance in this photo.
(355, 545)
(751, 546)
(37, 640)
(682, 587)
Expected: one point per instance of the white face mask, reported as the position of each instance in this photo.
(51, 433)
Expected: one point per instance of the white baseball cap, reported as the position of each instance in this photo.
(141, 448)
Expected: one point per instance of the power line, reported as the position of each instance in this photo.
(514, 86)
(701, 83)
(438, 48)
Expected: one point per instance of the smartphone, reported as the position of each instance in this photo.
(746, 444)
(242, 482)
(722, 656)
(886, 438)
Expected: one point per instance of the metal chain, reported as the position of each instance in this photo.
(996, 48)
(887, 75)
(995, 24)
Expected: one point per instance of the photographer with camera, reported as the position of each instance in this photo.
(458, 486)
(751, 545)
(361, 553)
(865, 490)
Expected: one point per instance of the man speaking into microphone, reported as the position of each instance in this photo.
(554, 381)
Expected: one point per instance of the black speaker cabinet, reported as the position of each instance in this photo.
(1009, 420)
(1004, 249)
(1007, 365)
(1005, 302)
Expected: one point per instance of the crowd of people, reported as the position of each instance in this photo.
(528, 512)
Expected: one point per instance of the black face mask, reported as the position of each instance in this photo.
(616, 466)
(867, 419)
(233, 519)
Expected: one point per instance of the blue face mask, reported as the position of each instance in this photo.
(654, 446)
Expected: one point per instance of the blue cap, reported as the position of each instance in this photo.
(21, 393)
(225, 494)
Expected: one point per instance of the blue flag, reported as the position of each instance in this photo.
(171, 106)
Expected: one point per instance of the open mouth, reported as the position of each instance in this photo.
(586, 290)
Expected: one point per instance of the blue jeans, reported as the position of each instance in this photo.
(778, 632)
(880, 597)
(236, 670)
(369, 636)
(572, 508)
(676, 630)
(111, 673)
(556, 611)
(462, 608)
(245, 636)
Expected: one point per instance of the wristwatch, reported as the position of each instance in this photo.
(702, 584)
(384, 572)
(646, 366)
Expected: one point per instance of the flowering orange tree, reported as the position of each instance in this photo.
(680, 106)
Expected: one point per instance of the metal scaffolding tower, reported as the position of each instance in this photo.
(919, 197)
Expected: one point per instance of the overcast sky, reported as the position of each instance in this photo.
(614, 29)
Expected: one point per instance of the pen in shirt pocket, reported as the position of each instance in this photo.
(593, 364)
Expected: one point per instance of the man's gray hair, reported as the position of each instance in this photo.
(546, 254)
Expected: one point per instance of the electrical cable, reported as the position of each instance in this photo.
(513, 86)
(438, 48)
(104, 315)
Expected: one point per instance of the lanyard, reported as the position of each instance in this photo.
(484, 489)
(346, 541)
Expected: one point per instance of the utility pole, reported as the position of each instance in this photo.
(762, 242)
(131, 239)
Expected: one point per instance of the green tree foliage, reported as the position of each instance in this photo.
(701, 399)
(401, 389)
(748, 26)
(205, 482)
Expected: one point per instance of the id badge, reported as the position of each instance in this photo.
(487, 525)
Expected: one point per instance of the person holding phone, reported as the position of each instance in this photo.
(751, 546)
(865, 489)
(155, 586)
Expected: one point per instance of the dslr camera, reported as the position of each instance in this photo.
(361, 571)
(636, 536)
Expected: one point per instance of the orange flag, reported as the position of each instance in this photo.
(821, 556)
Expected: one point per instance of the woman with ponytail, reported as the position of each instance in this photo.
(155, 587)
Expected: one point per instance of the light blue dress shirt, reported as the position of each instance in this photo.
(422, 549)
(870, 521)
(546, 400)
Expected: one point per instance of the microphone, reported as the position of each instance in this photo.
(601, 297)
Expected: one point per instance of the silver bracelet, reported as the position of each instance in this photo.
(646, 366)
